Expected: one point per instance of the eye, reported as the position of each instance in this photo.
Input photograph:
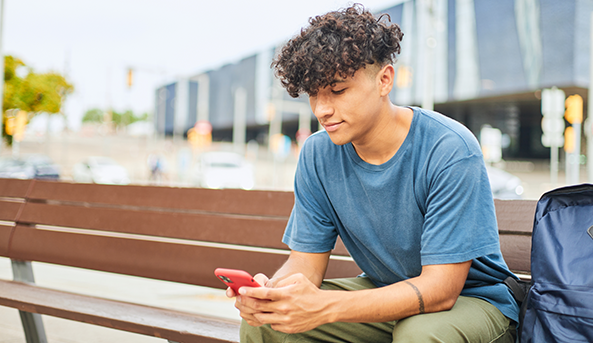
(338, 91)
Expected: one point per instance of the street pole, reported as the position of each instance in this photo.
(429, 60)
(554, 165)
(240, 120)
(589, 121)
(1, 75)
(576, 155)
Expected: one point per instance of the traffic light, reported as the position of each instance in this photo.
(569, 140)
(130, 79)
(574, 109)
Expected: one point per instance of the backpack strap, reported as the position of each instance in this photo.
(518, 288)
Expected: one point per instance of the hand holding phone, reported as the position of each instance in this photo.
(235, 278)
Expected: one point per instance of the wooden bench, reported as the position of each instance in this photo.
(173, 234)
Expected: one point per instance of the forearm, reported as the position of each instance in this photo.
(311, 265)
(430, 292)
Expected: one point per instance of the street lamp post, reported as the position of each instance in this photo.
(1, 74)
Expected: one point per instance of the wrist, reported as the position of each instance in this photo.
(332, 304)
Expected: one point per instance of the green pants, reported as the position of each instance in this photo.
(470, 320)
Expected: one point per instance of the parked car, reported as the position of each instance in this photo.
(224, 170)
(504, 185)
(29, 167)
(12, 168)
(102, 170)
(44, 167)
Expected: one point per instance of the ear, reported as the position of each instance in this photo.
(385, 76)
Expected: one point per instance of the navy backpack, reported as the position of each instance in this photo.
(559, 303)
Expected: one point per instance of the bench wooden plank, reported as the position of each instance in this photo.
(515, 216)
(515, 223)
(178, 261)
(232, 229)
(169, 324)
(9, 209)
(159, 259)
(5, 231)
(516, 251)
(12, 188)
(236, 201)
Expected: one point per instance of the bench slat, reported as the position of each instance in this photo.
(516, 250)
(244, 230)
(9, 210)
(263, 203)
(515, 216)
(165, 260)
(173, 325)
(14, 188)
(4, 239)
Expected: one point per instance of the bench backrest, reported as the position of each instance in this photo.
(515, 224)
(180, 234)
(175, 234)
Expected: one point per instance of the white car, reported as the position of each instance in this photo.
(224, 170)
(102, 170)
(504, 185)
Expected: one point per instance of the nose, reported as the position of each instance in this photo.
(321, 106)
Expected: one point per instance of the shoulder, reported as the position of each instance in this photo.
(320, 157)
(445, 134)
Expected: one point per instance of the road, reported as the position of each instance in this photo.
(133, 152)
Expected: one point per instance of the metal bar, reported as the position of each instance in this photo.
(32, 323)
(1, 72)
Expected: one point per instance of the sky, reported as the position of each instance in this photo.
(94, 43)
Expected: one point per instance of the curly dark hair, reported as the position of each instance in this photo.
(336, 43)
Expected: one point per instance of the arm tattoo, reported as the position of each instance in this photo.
(420, 300)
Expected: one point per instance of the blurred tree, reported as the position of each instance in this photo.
(33, 92)
(120, 119)
(94, 115)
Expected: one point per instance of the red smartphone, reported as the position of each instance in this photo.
(235, 278)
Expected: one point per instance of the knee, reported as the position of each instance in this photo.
(249, 333)
(254, 334)
(411, 330)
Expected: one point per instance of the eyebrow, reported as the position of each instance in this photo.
(335, 81)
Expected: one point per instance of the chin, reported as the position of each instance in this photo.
(338, 140)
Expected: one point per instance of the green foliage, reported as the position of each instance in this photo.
(93, 116)
(33, 92)
(119, 119)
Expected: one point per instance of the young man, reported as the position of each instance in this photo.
(405, 189)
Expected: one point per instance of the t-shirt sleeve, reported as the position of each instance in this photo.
(460, 221)
(310, 227)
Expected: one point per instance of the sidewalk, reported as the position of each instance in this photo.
(120, 287)
(70, 148)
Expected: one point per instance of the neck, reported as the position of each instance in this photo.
(389, 133)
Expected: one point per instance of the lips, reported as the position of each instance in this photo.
(329, 127)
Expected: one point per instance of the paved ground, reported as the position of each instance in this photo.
(133, 153)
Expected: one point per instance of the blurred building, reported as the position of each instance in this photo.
(481, 62)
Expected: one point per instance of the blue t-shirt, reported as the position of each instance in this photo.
(431, 203)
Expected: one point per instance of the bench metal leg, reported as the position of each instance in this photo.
(32, 323)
